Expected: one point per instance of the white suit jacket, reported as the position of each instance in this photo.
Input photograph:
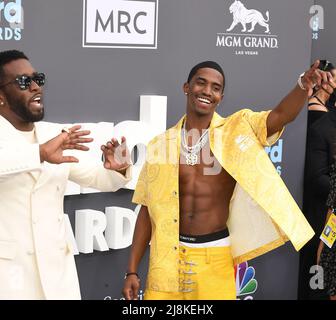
(36, 262)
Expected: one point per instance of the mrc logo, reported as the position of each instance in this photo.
(120, 23)
(11, 20)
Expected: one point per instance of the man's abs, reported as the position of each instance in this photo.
(204, 200)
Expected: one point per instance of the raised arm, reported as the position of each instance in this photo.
(141, 239)
(16, 158)
(287, 110)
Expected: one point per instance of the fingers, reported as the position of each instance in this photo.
(131, 289)
(74, 133)
(116, 155)
(79, 135)
(327, 82)
(77, 145)
(81, 147)
(136, 287)
(75, 128)
(113, 144)
(327, 88)
(128, 294)
(325, 77)
(79, 140)
(332, 81)
(333, 73)
(317, 79)
(74, 139)
(135, 294)
(68, 159)
(315, 65)
(312, 77)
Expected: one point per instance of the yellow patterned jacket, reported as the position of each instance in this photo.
(263, 214)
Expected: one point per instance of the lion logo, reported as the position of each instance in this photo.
(244, 16)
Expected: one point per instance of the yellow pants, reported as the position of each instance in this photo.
(204, 274)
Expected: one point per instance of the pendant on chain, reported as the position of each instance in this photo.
(191, 159)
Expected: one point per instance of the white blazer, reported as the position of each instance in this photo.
(36, 262)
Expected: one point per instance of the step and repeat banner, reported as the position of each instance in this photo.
(323, 28)
(118, 67)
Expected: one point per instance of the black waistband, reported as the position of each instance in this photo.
(205, 237)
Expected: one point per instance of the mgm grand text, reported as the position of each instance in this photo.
(246, 41)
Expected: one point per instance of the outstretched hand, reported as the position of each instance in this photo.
(72, 138)
(116, 155)
(315, 77)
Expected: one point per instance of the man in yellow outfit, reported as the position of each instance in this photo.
(210, 196)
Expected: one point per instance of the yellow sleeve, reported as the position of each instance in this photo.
(257, 121)
(140, 193)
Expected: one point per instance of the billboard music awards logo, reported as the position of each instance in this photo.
(246, 284)
(11, 20)
(249, 30)
(275, 154)
(120, 23)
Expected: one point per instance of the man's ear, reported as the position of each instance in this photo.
(186, 88)
(2, 99)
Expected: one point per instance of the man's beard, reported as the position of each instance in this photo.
(19, 108)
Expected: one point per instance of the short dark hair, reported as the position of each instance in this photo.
(9, 56)
(206, 64)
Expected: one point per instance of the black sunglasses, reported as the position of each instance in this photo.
(24, 81)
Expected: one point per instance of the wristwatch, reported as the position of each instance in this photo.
(300, 82)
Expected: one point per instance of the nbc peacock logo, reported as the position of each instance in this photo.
(246, 284)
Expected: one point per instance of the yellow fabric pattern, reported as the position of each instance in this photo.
(263, 214)
(204, 274)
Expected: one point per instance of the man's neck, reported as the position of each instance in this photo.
(197, 122)
(18, 123)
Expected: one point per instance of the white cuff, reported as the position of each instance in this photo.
(299, 81)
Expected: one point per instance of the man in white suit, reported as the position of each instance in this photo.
(36, 261)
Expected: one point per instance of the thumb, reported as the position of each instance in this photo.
(107, 165)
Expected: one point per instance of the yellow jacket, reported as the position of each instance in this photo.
(263, 214)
